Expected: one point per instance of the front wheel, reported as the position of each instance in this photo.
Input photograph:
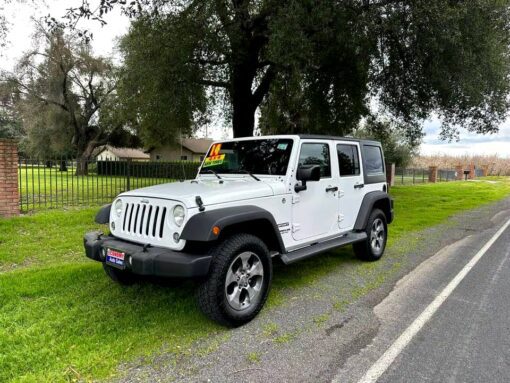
(372, 249)
(238, 282)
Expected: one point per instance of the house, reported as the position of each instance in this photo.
(192, 149)
(110, 153)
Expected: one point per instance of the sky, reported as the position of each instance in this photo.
(20, 14)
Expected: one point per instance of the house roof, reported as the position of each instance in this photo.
(194, 145)
(197, 145)
(138, 154)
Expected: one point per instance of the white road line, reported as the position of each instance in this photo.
(385, 361)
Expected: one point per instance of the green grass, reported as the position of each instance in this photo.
(62, 320)
(253, 357)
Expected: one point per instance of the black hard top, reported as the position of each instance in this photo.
(326, 137)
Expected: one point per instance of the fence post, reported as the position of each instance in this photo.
(128, 174)
(459, 170)
(390, 174)
(432, 174)
(9, 195)
(472, 171)
(485, 170)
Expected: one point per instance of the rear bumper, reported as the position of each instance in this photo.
(155, 261)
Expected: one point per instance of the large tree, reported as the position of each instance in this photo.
(65, 97)
(316, 65)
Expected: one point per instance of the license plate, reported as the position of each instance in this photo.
(115, 257)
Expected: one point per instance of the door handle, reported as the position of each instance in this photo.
(359, 185)
(332, 189)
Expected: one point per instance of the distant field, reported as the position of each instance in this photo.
(498, 164)
(63, 320)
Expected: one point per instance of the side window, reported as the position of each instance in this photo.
(348, 160)
(373, 160)
(316, 154)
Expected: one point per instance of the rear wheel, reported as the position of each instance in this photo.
(238, 282)
(372, 249)
(121, 277)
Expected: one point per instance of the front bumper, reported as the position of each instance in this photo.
(155, 261)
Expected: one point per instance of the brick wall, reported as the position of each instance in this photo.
(9, 196)
(432, 174)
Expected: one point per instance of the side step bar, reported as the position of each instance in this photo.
(322, 247)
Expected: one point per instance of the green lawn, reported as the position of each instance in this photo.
(61, 319)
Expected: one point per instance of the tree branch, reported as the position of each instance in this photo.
(263, 87)
(220, 84)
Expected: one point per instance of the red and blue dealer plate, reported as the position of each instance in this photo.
(115, 257)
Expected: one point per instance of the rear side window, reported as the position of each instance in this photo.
(348, 160)
(373, 159)
(316, 154)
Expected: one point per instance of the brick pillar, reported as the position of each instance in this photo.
(390, 174)
(459, 169)
(485, 170)
(432, 174)
(9, 196)
(472, 173)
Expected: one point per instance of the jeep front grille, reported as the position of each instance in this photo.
(145, 220)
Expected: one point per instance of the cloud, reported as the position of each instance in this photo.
(498, 143)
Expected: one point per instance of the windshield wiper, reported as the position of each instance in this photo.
(249, 173)
(213, 172)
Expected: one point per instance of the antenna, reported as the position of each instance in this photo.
(182, 162)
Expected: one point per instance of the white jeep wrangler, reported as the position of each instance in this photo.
(253, 200)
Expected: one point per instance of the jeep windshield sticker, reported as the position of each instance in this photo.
(214, 160)
(282, 146)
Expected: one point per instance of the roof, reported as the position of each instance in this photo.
(197, 145)
(328, 137)
(138, 154)
(194, 145)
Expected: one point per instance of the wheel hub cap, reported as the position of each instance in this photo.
(377, 236)
(244, 280)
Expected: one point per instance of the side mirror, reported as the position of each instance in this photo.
(307, 173)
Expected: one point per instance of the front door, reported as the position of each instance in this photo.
(351, 183)
(314, 210)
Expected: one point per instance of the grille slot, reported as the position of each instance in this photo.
(144, 220)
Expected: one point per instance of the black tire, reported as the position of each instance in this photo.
(365, 250)
(121, 277)
(213, 292)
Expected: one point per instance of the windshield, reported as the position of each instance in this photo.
(265, 156)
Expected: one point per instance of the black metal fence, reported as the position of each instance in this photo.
(52, 183)
(408, 176)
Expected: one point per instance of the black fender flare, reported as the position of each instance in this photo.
(367, 205)
(103, 215)
(200, 226)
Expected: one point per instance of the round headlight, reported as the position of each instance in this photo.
(179, 215)
(118, 208)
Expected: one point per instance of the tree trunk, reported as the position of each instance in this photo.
(82, 166)
(243, 119)
(83, 158)
(63, 166)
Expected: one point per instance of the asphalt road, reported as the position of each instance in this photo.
(466, 340)
(308, 338)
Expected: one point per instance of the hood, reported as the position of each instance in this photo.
(211, 191)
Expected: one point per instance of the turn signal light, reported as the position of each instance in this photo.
(216, 230)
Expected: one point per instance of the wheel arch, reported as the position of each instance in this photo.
(239, 219)
(374, 200)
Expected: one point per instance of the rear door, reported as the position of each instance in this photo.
(351, 183)
(314, 209)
